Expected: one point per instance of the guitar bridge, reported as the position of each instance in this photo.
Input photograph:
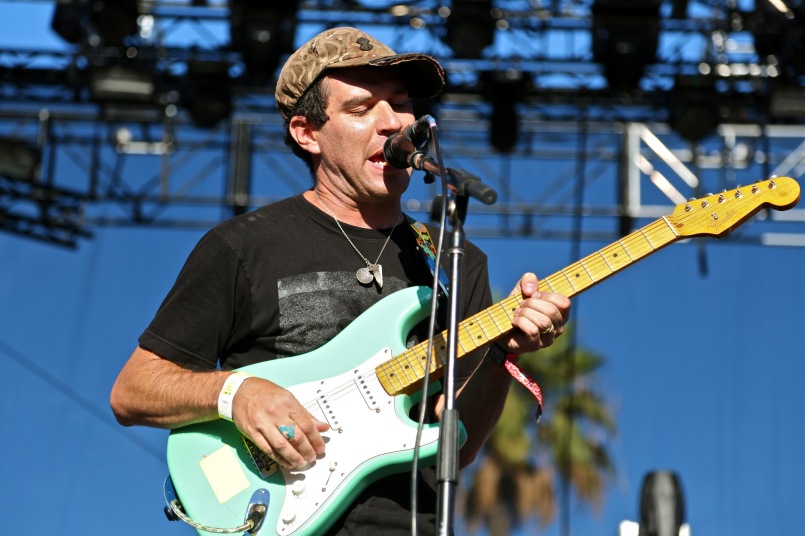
(264, 465)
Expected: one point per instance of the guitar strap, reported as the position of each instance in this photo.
(428, 251)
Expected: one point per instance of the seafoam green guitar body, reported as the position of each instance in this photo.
(215, 473)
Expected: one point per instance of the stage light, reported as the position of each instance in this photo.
(208, 97)
(19, 160)
(262, 35)
(766, 25)
(504, 90)
(69, 20)
(694, 107)
(121, 84)
(114, 21)
(787, 102)
(625, 36)
(679, 9)
(470, 28)
(779, 37)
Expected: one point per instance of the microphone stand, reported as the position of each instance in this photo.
(462, 185)
(447, 456)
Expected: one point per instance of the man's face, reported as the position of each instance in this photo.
(364, 106)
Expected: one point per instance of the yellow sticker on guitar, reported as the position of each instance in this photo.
(224, 473)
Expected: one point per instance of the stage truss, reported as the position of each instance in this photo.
(582, 149)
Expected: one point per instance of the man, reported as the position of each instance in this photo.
(286, 278)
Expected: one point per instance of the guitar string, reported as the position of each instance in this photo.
(350, 389)
(659, 228)
(337, 392)
(594, 262)
(597, 260)
(400, 370)
(485, 325)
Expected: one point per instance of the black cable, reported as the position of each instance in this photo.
(431, 326)
(578, 200)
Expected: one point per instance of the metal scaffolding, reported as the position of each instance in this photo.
(614, 156)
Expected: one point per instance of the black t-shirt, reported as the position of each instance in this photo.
(280, 281)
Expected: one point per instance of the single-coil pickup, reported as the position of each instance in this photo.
(328, 410)
(368, 389)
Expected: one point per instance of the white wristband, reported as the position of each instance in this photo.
(227, 394)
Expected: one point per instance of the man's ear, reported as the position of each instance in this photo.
(304, 133)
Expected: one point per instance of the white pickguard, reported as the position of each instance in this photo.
(363, 425)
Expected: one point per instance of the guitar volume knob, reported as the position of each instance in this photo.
(298, 488)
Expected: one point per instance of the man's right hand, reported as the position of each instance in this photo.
(152, 391)
(261, 407)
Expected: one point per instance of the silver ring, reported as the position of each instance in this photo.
(548, 331)
(287, 431)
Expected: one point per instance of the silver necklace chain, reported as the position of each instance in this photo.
(372, 270)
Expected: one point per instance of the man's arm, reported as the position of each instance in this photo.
(479, 403)
(152, 391)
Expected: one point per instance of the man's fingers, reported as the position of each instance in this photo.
(527, 285)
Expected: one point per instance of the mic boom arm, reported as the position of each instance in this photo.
(405, 150)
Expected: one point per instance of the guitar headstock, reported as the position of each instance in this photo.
(718, 214)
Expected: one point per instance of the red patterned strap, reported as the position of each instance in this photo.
(500, 357)
(527, 382)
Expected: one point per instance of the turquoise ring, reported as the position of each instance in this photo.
(287, 431)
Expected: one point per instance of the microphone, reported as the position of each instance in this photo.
(398, 149)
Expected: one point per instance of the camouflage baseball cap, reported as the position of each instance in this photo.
(349, 47)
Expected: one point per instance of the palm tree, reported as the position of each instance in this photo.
(523, 463)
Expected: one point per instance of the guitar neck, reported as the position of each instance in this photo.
(714, 215)
(404, 373)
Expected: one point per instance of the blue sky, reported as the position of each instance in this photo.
(705, 375)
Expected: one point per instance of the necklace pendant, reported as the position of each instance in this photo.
(371, 271)
(377, 273)
(364, 275)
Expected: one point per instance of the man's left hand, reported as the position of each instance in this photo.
(539, 320)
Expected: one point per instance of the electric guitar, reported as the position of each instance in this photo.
(364, 383)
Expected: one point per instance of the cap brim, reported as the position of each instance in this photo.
(421, 74)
